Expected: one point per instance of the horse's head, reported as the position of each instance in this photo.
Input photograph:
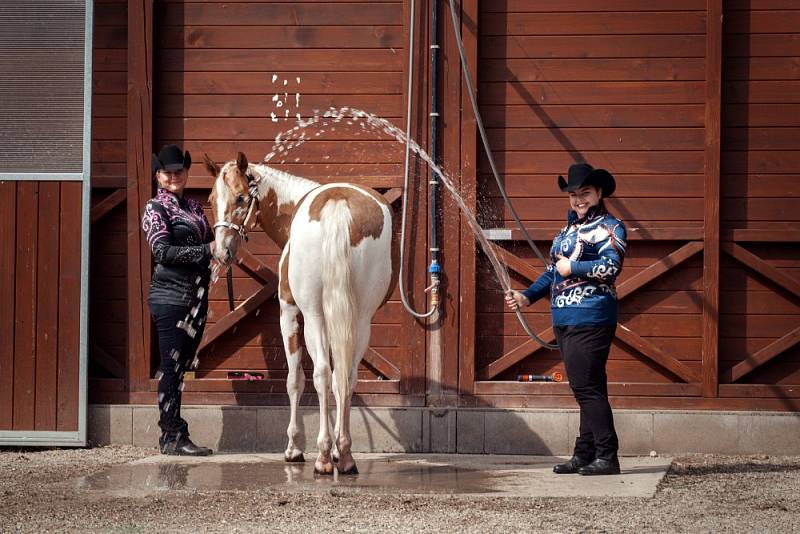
(235, 210)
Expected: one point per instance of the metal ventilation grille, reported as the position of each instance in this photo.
(42, 86)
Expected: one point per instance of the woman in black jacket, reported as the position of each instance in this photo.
(178, 234)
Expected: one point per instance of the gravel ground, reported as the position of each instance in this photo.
(701, 493)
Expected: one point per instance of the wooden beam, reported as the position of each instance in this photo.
(762, 356)
(242, 310)
(647, 349)
(379, 363)
(530, 346)
(139, 188)
(652, 232)
(663, 265)
(466, 163)
(711, 218)
(393, 194)
(253, 267)
(760, 235)
(102, 208)
(516, 263)
(106, 361)
(762, 267)
(515, 355)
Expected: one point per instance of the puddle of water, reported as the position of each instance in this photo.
(375, 477)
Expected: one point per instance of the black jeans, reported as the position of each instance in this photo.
(584, 350)
(177, 350)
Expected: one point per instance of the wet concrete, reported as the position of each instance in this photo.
(466, 475)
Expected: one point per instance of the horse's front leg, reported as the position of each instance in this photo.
(295, 380)
(318, 349)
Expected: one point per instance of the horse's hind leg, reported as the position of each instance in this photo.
(317, 345)
(295, 380)
(346, 464)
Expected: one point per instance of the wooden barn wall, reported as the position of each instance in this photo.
(760, 312)
(108, 236)
(617, 83)
(40, 289)
(219, 71)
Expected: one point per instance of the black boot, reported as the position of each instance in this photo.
(183, 446)
(601, 467)
(570, 466)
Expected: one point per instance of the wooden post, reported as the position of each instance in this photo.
(469, 172)
(139, 186)
(711, 216)
(414, 335)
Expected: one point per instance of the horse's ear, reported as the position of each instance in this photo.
(241, 162)
(211, 167)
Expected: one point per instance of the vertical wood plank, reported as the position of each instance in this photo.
(443, 364)
(139, 188)
(47, 282)
(25, 308)
(8, 224)
(69, 298)
(412, 365)
(711, 215)
(469, 170)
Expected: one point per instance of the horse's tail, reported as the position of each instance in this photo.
(338, 303)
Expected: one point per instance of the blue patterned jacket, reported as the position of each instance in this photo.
(596, 247)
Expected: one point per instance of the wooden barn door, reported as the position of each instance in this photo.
(561, 83)
(230, 77)
(44, 222)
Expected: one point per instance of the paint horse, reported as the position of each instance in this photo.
(336, 269)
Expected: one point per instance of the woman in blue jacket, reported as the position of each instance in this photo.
(586, 258)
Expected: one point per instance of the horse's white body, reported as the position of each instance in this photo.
(335, 271)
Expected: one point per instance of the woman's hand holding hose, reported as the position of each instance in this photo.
(515, 299)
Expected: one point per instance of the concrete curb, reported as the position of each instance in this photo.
(468, 431)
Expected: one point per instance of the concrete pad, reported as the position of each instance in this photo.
(635, 432)
(110, 424)
(386, 429)
(145, 426)
(452, 475)
(526, 433)
(772, 434)
(470, 428)
(439, 431)
(678, 432)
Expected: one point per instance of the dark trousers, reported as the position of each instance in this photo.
(584, 350)
(177, 350)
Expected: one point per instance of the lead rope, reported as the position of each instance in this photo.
(479, 122)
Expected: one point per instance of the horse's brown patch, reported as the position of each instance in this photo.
(284, 291)
(294, 343)
(395, 257)
(276, 219)
(367, 214)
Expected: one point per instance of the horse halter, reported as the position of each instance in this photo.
(252, 192)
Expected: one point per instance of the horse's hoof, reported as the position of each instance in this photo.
(323, 472)
(322, 468)
(295, 459)
(352, 471)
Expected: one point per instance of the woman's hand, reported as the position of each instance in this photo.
(515, 299)
(564, 266)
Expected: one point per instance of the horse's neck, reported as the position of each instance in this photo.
(278, 194)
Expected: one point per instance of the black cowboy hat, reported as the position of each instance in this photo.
(583, 174)
(171, 159)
